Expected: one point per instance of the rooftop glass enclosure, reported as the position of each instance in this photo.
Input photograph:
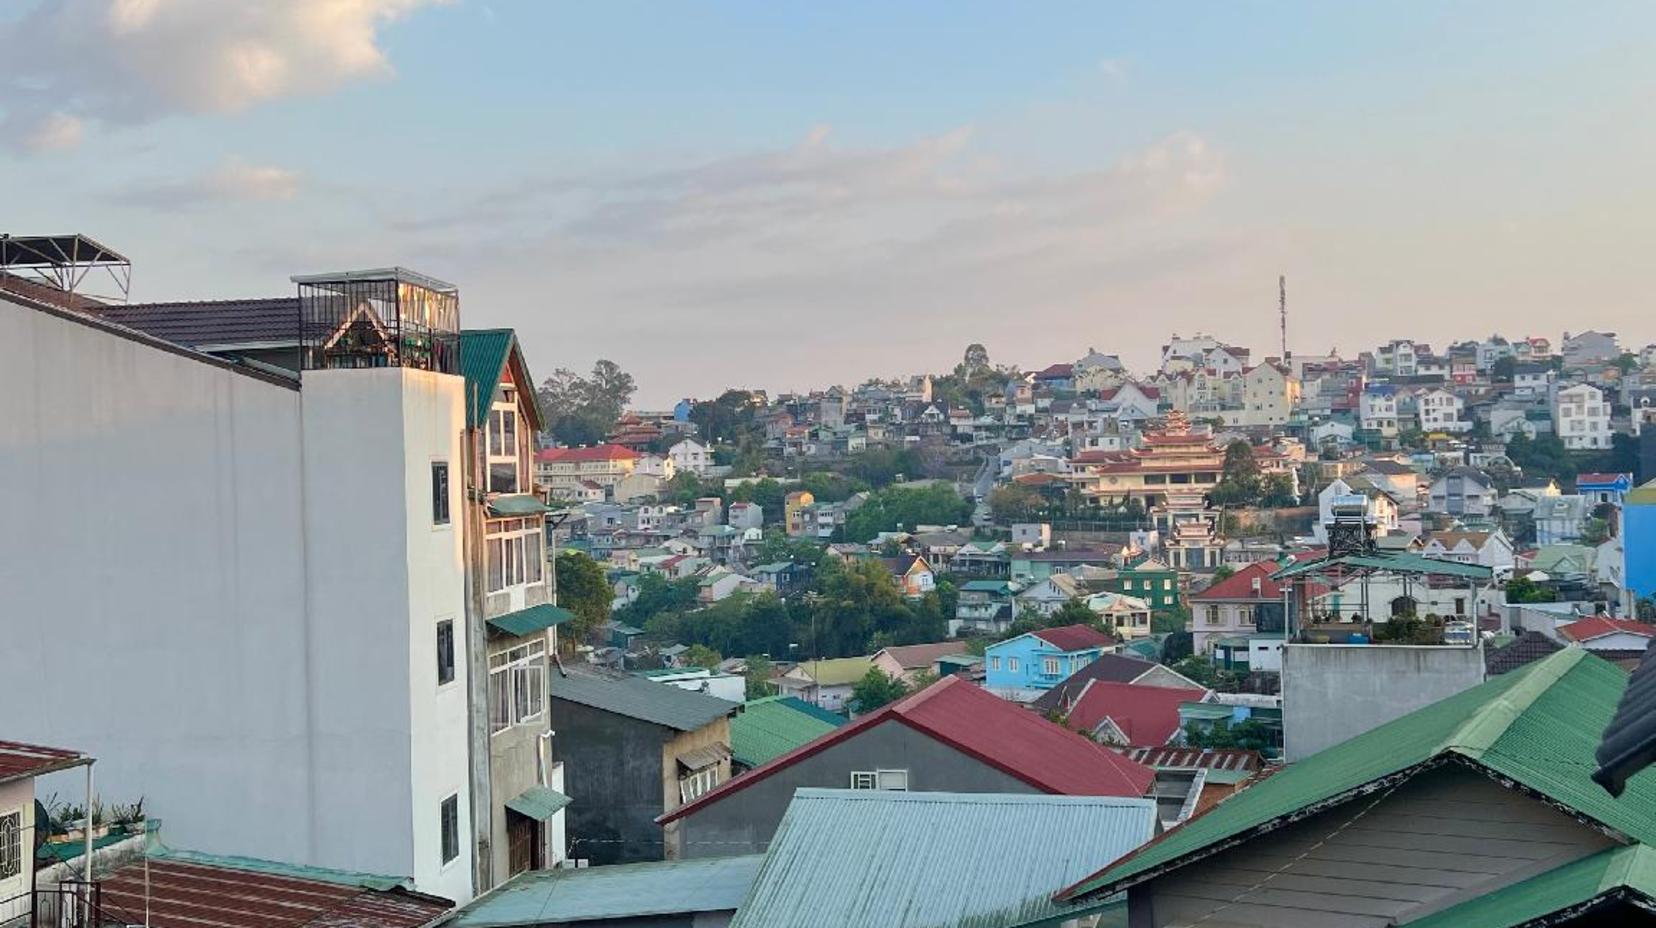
(390, 317)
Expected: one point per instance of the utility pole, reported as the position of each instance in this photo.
(1282, 312)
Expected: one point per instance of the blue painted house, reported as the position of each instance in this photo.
(1639, 537)
(1604, 488)
(1024, 667)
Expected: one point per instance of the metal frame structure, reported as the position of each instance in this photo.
(64, 262)
(389, 317)
(1337, 570)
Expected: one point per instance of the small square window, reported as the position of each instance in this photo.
(1012, 664)
(439, 493)
(994, 663)
(450, 813)
(445, 652)
(864, 779)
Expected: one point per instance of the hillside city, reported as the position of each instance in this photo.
(1159, 647)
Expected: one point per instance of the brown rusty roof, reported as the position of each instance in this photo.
(18, 760)
(198, 895)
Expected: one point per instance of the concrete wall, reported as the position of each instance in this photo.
(612, 766)
(1334, 692)
(681, 744)
(743, 821)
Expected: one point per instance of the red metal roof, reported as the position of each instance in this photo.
(18, 760)
(1240, 585)
(193, 895)
(595, 453)
(1147, 715)
(1600, 625)
(1074, 637)
(985, 727)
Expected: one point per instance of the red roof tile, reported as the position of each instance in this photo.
(1599, 626)
(1240, 585)
(983, 726)
(183, 894)
(1074, 637)
(18, 760)
(595, 453)
(1147, 715)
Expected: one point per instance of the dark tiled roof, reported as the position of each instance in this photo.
(1074, 637)
(1525, 649)
(657, 703)
(213, 323)
(1109, 668)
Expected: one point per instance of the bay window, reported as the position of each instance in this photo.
(504, 463)
(515, 553)
(517, 686)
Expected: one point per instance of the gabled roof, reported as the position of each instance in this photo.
(637, 698)
(1536, 728)
(1145, 715)
(772, 726)
(1522, 651)
(983, 726)
(1599, 626)
(212, 324)
(1109, 668)
(921, 656)
(837, 671)
(1615, 873)
(1240, 585)
(595, 453)
(884, 859)
(615, 894)
(18, 760)
(484, 357)
(1074, 637)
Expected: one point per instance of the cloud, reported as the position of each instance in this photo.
(131, 61)
(1113, 69)
(232, 180)
(51, 132)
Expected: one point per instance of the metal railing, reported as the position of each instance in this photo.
(70, 904)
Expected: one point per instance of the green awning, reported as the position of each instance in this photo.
(521, 504)
(528, 621)
(538, 802)
(1210, 712)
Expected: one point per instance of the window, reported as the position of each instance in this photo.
(517, 685)
(11, 844)
(502, 448)
(1012, 664)
(1246, 615)
(445, 652)
(451, 828)
(697, 782)
(994, 662)
(1167, 584)
(439, 493)
(892, 780)
(1049, 666)
(1213, 615)
(515, 553)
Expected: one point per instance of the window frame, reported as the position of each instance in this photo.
(1050, 666)
(699, 782)
(442, 495)
(502, 442)
(1012, 665)
(511, 560)
(11, 844)
(448, 829)
(445, 662)
(517, 686)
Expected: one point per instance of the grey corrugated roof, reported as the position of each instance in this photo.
(658, 888)
(853, 858)
(214, 324)
(633, 697)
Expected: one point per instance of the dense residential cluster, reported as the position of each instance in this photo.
(388, 632)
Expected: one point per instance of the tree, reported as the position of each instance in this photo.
(1014, 502)
(1224, 572)
(1541, 456)
(1248, 734)
(585, 591)
(759, 668)
(1075, 612)
(1502, 370)
(1168, 621)
(1239, 480)
(770, 495)
(895, 508)
(876, 689)
(729, 418)
(1277, 490)
(1525, 590)
(700, 655)
(976, 359)
(1198, 669)
(580, 410)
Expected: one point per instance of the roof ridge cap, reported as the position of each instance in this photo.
(1480, 732)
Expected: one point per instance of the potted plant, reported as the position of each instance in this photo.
(128, 819)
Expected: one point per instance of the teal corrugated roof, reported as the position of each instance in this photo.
(615, 893)
(521, 504)
(638, 698)
(775, 725)
(1537, 726)
(1388, 560)
(538, 802)
(483, 354)
(880, 859)
(533, 619)
(1613, 871)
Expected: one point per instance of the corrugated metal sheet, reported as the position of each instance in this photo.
(638, 698)
(533, 619)
(483, 354)
(538, 802)
(177, 894)
(1618, 870)
(775, 725)
(19, 760)
(552, 897)
(521, 504)
(853, 858)
(1537, 726)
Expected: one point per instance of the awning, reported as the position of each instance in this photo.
(528, 621)
(538, 802)
(521, 504)
(702, 758)
(1396, 562)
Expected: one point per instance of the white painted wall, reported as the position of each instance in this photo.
(18, 796)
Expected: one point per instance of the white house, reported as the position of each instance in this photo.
(1602, 633)
(1531, 379)
(1382, 505)
(1581, 417)
(1377, 410)
(280, 553)
(1487, 549)
(1462, 491)
(691, 455)
(1441, 411)
(1269, 395)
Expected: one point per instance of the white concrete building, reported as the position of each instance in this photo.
(257, 568)
(1377, 410)
(1441, 411)
(1581, 417)
(692, 456)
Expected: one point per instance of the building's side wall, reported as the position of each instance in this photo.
(612, 766)
(682, 743)
(152, 582)
(18, 797)
(1331, 693)
(1441, 838)
(743, 821)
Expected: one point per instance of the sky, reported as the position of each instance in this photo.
(788, 195)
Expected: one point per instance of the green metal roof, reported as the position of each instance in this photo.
(538, 802)
(615, 893)
(986, 586)
(528, 621)
(885, 859)
(1208, 711)
(1617, 870)
(1395, 561)
(522, 504)
(1538, 726)
(483, 357)
(775, 725)
(638, 698)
